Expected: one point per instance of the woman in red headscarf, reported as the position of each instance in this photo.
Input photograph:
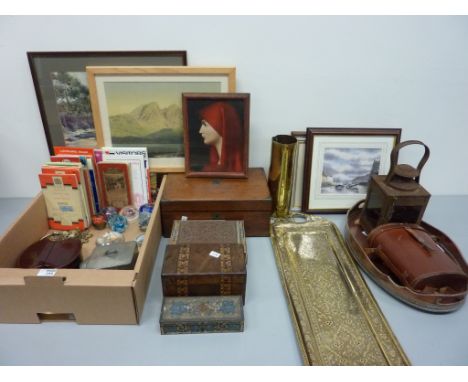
(221, 128)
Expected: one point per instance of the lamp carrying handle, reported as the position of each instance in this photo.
(404, 170)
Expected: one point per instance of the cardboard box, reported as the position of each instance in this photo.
(87, 296)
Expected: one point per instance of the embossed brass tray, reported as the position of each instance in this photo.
(336, 318)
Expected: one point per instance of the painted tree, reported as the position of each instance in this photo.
(71, 95)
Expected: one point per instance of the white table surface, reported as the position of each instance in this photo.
(268, 339)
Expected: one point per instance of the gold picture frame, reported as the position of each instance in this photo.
(142, 106)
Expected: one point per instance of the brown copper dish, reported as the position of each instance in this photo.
(437, 300)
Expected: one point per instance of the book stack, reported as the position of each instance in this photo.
(64, 190)
(85, 156)
(78, 183)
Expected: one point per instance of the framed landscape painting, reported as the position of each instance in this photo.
(142, 106)
(339, 163)
(62, 92)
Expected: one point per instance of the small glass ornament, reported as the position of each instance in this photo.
(140, 239)
(145, 215)
(109, 211)
(148, 207)
(99, 221)
(110, 238)
(130, 212)
(117, 223)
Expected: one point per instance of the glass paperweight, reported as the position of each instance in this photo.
(140, 239)
(99, 221)
(109, 211)
(148, 207)
(117, 223)
(110, 238)
(145, 215)
(130, 212)
(113, 256)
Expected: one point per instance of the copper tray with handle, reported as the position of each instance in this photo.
(435, 302)
(336, 318)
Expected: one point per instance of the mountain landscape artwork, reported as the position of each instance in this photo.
(150, 114)
(348, 170)
(159, 129)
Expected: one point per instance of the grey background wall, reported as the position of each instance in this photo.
(339, 71)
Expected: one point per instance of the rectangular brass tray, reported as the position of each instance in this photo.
(336, 318)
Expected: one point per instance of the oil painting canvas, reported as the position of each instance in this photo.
(216, 134)
(142, 106)
(150, 114)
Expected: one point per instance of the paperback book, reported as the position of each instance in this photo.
(63, 201)
(115, 180)
(86, 157)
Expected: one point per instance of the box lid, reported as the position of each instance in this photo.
(206, 194)
(208, 231)
(201, 309)
(203, 259)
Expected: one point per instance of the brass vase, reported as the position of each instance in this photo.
(280, 174)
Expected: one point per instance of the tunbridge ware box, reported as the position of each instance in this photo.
(207, 314)
(204, 270)
(218, 199)
(87, 296)
(208, 231)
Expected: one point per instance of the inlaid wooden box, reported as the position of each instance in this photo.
(204, 270)
(210, 314)
(218, 198)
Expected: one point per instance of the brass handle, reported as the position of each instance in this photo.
(299, 218)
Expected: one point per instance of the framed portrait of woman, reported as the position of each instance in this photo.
(216, 134)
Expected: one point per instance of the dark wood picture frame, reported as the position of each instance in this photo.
(343, 195)
(44, 65)
(222, 116)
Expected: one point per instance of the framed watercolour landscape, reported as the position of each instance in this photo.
(62, 90)
(142, 106)
(339, 163)
(216, 134)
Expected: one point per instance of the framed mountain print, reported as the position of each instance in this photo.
(142, 106)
